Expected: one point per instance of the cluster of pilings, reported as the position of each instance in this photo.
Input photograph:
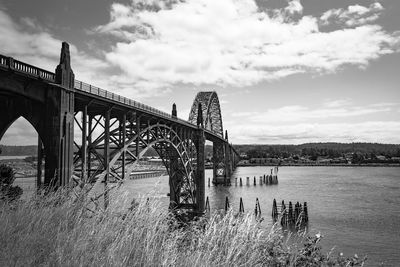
(257, 208)
(265, 179)
(290, 216)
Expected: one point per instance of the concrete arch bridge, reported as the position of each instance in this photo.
(90, 135)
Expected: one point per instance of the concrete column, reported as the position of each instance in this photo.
(123, 121)
(200, 172)
(59, 124)
(58, 136)
(89, 142)
(84, 176)
(218, 163)
(174, 178)
(39, 163)
(137, 133)
(106, 155)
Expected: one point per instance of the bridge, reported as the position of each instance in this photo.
(88, 135)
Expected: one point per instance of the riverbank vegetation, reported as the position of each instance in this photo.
(321, 153)
(57, 229)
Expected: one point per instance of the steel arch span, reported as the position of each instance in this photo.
(212, 118)
(127, 142)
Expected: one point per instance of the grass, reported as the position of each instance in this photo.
(58, 230)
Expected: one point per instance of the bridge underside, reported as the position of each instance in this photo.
(113, 139)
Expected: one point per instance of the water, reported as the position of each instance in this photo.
(13, 157)
(356, 209)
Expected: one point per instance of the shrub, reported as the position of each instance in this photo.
(7, 177)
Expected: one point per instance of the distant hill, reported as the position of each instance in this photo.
(264, 150)
(18, 150)
(323, 149)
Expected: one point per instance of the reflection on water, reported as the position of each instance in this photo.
(357, 209)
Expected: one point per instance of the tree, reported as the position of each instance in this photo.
(7, 177)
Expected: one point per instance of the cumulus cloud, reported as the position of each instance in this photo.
(370, 131)
(29, 41)
(329, 110)
(354, 15)
(333, 121)
(294, 7)
(235, 43)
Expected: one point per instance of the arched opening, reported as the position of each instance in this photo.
(22, 150)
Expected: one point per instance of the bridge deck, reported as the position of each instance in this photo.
(8, 63)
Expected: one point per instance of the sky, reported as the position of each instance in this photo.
(285, 71)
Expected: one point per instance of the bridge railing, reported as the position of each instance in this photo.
(118, 98)
(20, 66)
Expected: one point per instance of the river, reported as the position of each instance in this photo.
(356, 209)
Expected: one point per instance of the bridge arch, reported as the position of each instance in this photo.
(177, 151)
(33, 179)
(212, 118)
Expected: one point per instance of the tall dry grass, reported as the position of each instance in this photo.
(58, 230)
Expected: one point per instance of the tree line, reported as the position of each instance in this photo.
(360, 151)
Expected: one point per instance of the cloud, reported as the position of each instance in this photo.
(235, 43)
(328, 122)
(32, 43)
(337, 103)
(329, 110)
(354, 15)
(370, 131)
(294, 7)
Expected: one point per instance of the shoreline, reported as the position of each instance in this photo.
(320, 165)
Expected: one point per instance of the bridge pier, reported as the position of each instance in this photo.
(175, 178)
(106, 155)
(59, 131)
(39, 163)
(219, 174)
(200, 171)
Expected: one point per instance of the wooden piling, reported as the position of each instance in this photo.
(235, 181)
(274, 211)
(208, 181)
(255, 180)
(295, 215)
(247, 180)
(207, 206)
(290, 216)
(305, 212)
(241, 181)
(257, 209)
(261, 180)
(226, 204)
(241, 207)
